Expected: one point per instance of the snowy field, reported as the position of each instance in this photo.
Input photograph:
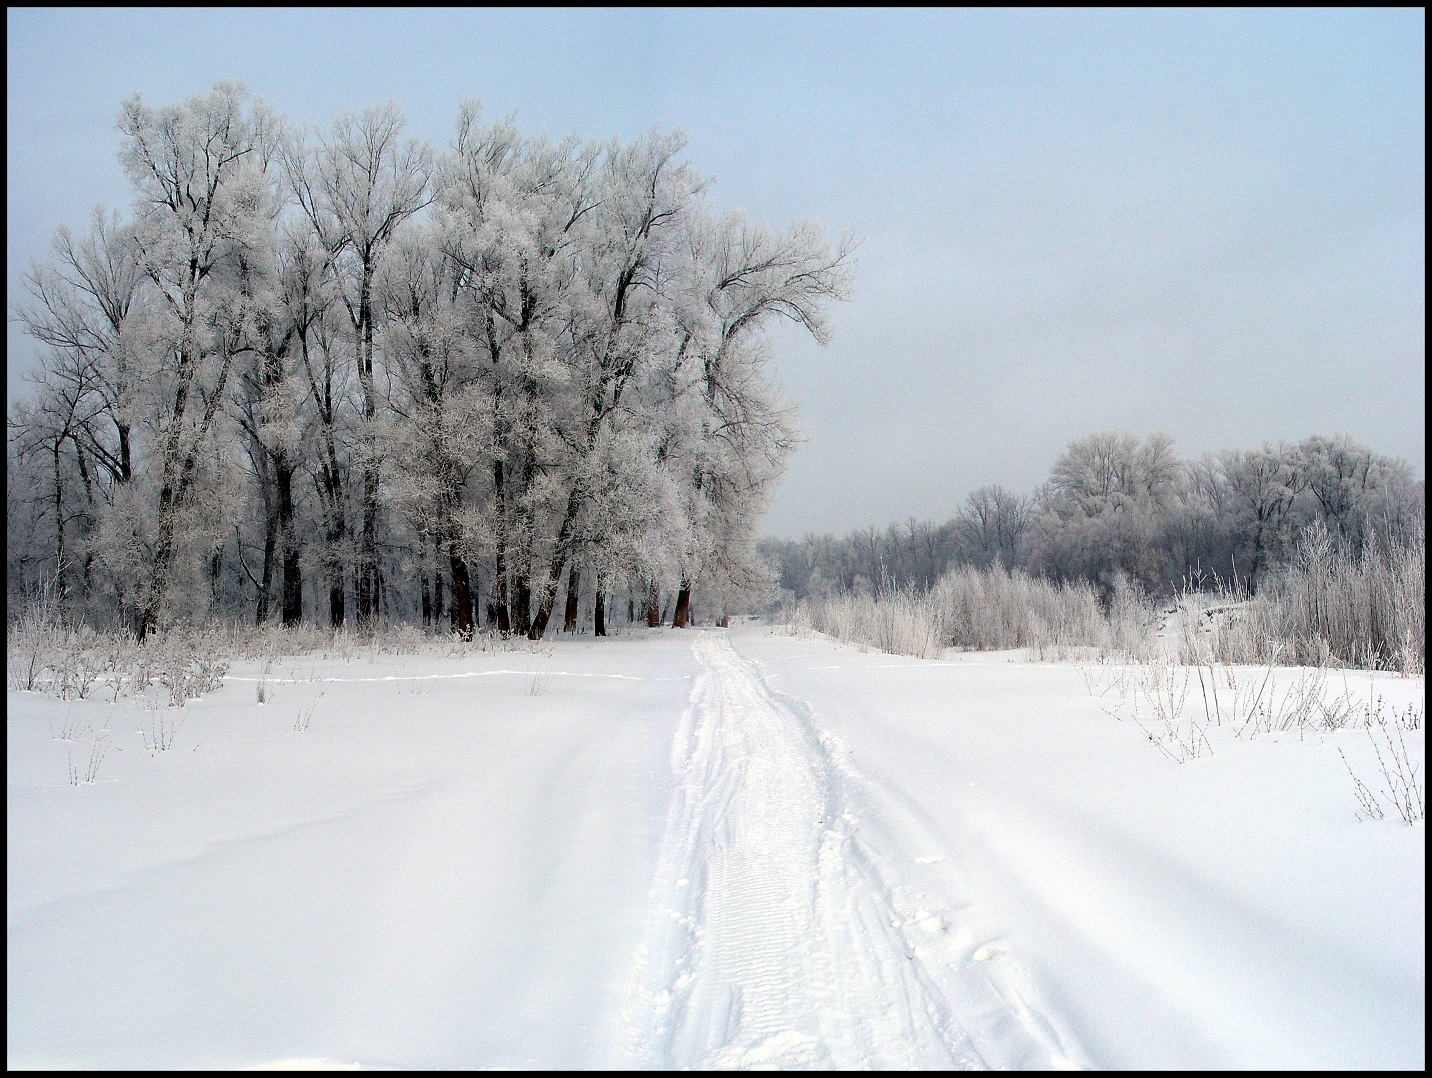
(712, 849)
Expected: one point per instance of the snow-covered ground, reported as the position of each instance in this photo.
(701, 848)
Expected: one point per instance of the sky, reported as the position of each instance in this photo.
(1205, 223)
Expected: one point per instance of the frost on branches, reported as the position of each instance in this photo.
(337, 375)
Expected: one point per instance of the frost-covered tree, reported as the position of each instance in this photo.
(86, 303)
(321, 367)
(738, 432)
(512, 210)
(197, 172)
(276, 288)
(1262, 485)
(539, 365)
(621, 330)
(1103, 509)
(1354, 491)
(356, 186)
(439, 436)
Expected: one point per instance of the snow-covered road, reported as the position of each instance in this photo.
(1130, 911)
(776, 940)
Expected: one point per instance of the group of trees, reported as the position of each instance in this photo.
(339, 376)
(1116, 505)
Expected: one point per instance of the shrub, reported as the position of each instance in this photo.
(986, 609)
(32, 635)
(1329, 608)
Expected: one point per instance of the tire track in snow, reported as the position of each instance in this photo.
(775, 940)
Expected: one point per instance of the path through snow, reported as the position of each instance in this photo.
(776, 940)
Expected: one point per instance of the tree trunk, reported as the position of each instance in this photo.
(329, 482)
(335, 527)
(333, 557)
(499, 581)
(543, 601)
(569, 620)
(335, 599)
(292, 588)
(427, 603)
(124, 466)
(292, 570)
(369, 554)
(89, 500)
(164, 535)
(683, 605)
(522, 604)
(335, 602)
(59, 526)
(159, 583)
(461, 596)
(543, 613)
(546, 595)
(653, 607)
(216, 567)
(261, 611)
(368, 538)
(438, 595)
(599, 615)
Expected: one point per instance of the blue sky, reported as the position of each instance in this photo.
(1208, 223)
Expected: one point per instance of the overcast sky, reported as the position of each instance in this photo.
(1211, 224)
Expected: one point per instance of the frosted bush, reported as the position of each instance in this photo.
(898, 621)
(1327, 608)
(995, 609)
(32, 637)
(986, 609)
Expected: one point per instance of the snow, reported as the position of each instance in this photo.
(704, 849)
(437, 872)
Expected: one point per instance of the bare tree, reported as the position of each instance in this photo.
(66, 402)
(85, 301)
(991, 525)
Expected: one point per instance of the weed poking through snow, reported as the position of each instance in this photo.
(1400, 789)
(98, 750)
(159, 730)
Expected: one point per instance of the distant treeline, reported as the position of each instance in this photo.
(1115, 505)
